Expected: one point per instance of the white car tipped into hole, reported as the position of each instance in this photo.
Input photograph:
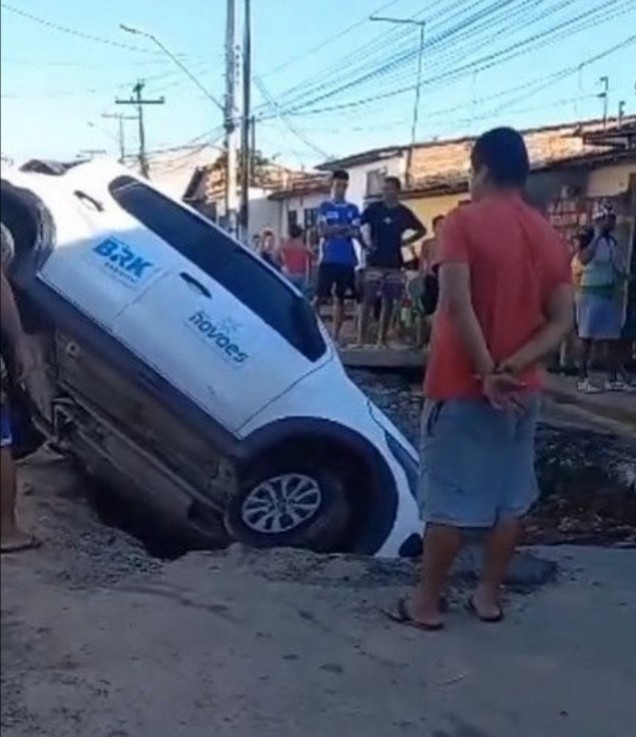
(190, 377)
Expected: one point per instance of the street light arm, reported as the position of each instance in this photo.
(421, 24)
(175, 59)
(399, 21)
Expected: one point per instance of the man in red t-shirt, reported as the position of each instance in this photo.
(505, 303)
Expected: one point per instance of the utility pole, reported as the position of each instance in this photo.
(121, 133)
(138, 101)
(253, 150)
(231, 137)
(246, 151)
(421, 24)
(604, 95)
(621, 111)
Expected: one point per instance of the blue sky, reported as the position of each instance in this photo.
(336, 76)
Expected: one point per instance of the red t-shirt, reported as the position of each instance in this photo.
(296, 258)
(516, 260)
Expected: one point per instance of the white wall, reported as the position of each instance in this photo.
(263, 212)
(299, 203)
(357, 192)
(610, 180)
(395, 167)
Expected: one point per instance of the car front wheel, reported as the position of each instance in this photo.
(292, 507)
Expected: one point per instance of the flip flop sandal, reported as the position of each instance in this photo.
(31, 543)
(403, 616)
(470, 607)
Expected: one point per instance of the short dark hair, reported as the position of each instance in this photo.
(504, 152)
(295, 231)
(438, 219)
(395, 181)
(340, 175)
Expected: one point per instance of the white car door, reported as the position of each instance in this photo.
(102, 260)
(219, 325)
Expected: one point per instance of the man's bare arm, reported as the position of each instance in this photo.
(455, 299)
(587, 254)
(365, 235)
(11, 323)
(416, 236)
(559, 323)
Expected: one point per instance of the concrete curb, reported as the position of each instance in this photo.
(625, 414)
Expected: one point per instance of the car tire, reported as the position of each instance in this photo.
(8, 246)
(324, 530)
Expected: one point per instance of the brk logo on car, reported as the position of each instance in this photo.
(122, 262)
(218, 335)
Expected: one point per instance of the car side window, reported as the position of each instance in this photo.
(225, 261)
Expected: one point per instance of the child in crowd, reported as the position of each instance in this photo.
(296, 259)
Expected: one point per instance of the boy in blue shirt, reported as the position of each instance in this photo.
(338, 225)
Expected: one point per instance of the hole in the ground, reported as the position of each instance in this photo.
(587, 479)
(158, 539)
(587, 476)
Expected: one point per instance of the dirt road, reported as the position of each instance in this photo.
(98, 640)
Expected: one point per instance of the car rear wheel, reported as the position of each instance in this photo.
(291, 507)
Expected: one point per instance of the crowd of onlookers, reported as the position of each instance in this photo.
(384, 259)
(379, 259)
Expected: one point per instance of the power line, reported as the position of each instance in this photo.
(323, 44)
(530, 89)
(97, 91)
(74, 32)
(362, 59)
(448, 35)
(281, 115)
(45, 63)
(121, 130)
(175, 59)
(379, 43)
(568, 26)
(486, 62)
(212, 137)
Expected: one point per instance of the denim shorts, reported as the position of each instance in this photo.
(6, 438)
(477, 462)
(598, 317)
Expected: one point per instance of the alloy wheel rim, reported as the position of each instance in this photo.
(281, 504)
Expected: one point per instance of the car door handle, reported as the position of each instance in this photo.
(83, 197)
(194, 284)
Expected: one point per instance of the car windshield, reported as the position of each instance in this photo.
(226, 261)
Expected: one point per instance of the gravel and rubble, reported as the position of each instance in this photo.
(586, 468)
(100, 639)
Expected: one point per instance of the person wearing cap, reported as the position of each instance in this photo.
(599, 314)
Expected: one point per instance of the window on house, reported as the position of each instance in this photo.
(233, 267)
(310, 218)
(375, 181)
(292, 219)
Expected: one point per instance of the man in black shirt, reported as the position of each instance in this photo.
(384, 225)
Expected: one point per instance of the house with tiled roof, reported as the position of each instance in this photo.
(592, 156)
(596, 155)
